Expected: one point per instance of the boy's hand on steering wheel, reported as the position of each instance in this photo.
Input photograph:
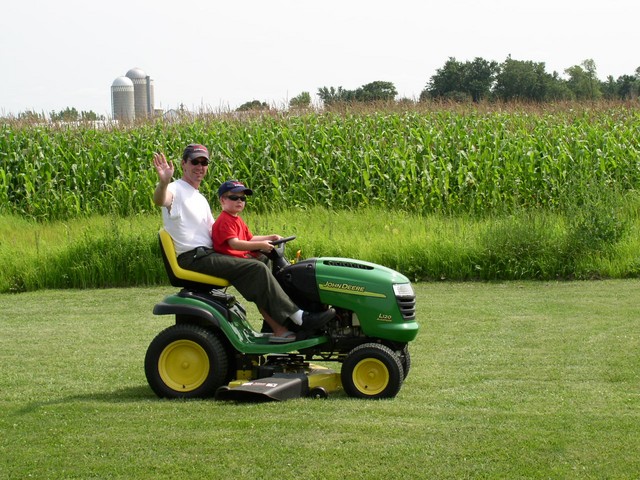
(265, 246)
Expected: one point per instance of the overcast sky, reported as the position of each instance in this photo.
(219, 54)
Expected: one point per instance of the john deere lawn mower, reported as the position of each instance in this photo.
(213, 351)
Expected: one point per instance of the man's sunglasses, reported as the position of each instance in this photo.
(237, 197)
(204, 162)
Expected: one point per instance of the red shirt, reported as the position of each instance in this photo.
(225, 227)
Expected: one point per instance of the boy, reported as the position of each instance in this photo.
(231, 236)
(230, 233)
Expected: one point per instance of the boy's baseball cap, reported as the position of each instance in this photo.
(233, 186)
(195, 150)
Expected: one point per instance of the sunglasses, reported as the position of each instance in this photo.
(237, 197)
(204, 162)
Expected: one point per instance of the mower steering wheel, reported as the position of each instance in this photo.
(282, 240)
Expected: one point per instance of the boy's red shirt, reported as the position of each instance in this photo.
(227, 226)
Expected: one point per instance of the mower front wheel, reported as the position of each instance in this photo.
(186, 361)
(372, 371)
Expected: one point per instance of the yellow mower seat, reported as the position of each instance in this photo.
(178, 276)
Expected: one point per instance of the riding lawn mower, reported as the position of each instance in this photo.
(213, 351)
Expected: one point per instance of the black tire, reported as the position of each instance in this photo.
(318, 393)
(372, 371)
(186, 361)
(405, 361)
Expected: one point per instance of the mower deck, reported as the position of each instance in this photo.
(316, 382)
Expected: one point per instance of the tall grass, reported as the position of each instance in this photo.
(599, 242)
(474, 161)
(98, 252)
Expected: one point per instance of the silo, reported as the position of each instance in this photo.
(143, 92)
(122, 99)
(150, 99)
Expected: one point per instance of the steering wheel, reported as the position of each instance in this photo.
(282, 240)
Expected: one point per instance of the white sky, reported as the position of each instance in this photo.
(215, 54)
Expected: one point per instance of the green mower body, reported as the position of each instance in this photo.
(213, 351)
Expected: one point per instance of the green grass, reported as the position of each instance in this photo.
(508, 380)
(105, 252)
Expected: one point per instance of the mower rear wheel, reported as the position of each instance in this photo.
(186, 361)
(372, 371)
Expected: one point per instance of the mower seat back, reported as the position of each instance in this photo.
(178, 276)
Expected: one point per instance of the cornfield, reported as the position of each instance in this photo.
(444, 161)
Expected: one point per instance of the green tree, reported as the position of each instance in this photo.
(447, 81)
(583, 81)
(90, 116)
(371, 92)
(522, 80)
(31, 116)
(331, 95)
(628, 87)
(253, 105)
(66, 115)
(376, 91)
(456, 80)
(301, 101)
(557, 88)
(609, 88)
(479, 77)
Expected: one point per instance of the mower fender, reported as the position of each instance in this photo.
(163, 308)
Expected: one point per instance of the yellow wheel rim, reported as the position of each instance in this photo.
(370, 376)
(183, 365)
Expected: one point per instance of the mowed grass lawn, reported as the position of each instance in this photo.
(508, 380)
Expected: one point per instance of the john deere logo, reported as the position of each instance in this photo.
(343, 286)
(349, 289)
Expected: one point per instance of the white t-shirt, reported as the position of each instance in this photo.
(189, 220)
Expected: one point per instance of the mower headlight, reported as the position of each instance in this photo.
(403, 290)
(406, 300)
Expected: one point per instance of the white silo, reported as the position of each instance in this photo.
(150, 97)
(122, 99)
(143, 92)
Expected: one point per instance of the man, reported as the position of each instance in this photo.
(187, 217)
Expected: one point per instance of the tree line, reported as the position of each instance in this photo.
(69, 114)
(518, 80)
(513, 80)
(469, 81)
